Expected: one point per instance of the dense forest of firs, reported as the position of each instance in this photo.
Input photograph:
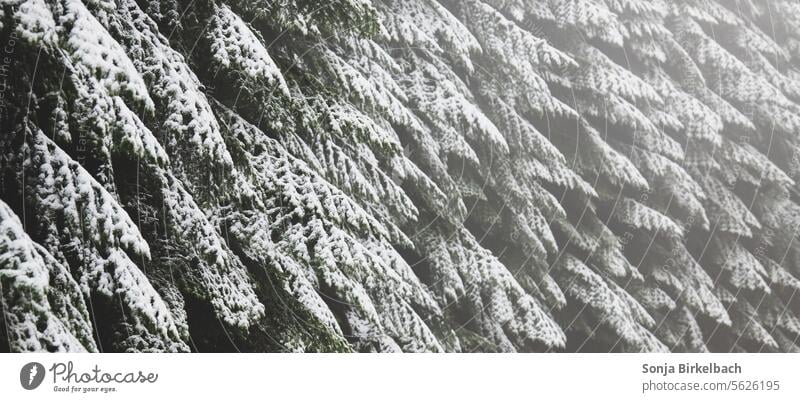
(400, 175)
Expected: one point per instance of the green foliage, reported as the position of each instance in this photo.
(400, 175)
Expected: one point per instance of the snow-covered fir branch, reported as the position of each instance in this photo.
(400, 175)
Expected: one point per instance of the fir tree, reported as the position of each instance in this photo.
(400, 175)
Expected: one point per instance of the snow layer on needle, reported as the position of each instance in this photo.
(235, 46)
(94, 49)
(42, 305)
